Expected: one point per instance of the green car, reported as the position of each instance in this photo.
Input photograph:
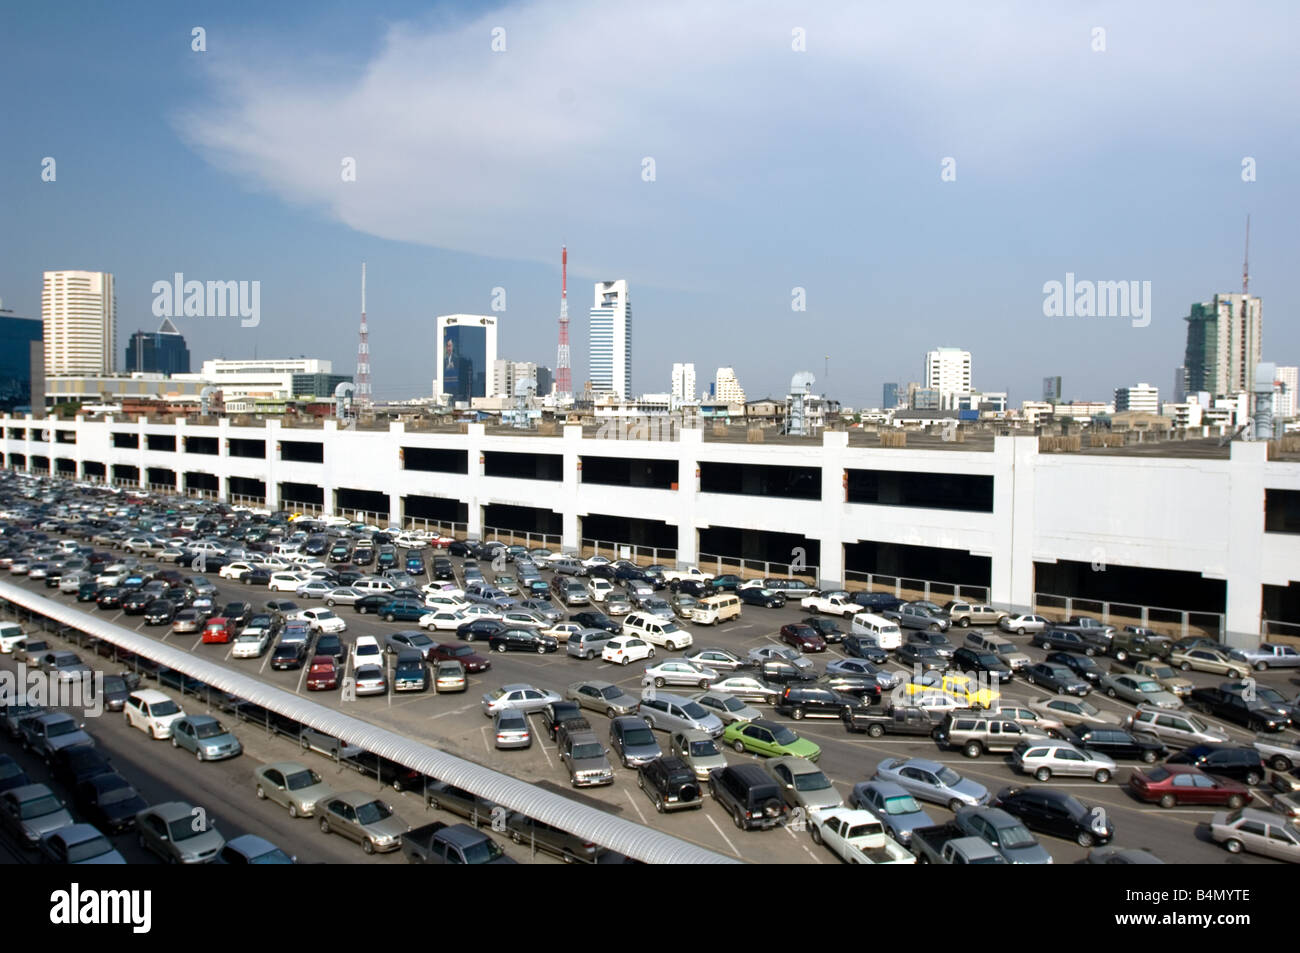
(768, 738)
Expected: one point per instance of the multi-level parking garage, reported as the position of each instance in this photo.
(1193, 537)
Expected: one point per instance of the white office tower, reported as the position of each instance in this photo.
(1284, 407)
(609, 365)
(683, 383)
(1140, 397)
(947, 370)
(80, 315)
(726, 389)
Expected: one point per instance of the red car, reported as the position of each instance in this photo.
(1171, 784)
(456, 652)
(323, 674)
(803, 637)
(218, 629)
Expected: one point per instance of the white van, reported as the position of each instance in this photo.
(714, 609)
(373, 586)
(152, 712)
(884, 631)
(656, 631)
(287, 581)
(11, 636)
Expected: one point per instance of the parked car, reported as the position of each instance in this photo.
(633, 741)
(205, 737)
(602, 696)
(1116, 743)
(511, 730)
(1178, 729)
(679, 672)
(1208, 660)
(625, 649)
(1045, 758)
(109, 802)
(1004, 832)
(670, 784)
(749, 795)
(1177, 784)
(293, 786)
(363, 818)
(1139, 690)
(179, 833)
(1022, 624)
(584, 756)
(1253, 715)
(1239, 763)
(802, 783)
(728, 708)
(932, 781)
(525, 698)
(1256, 831)
(1058, 678)
(764, 737)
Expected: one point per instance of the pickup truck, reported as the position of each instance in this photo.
(837, 602)
(1087, 625)
(442, 843)
(680, 575)
(1138, 643)
(949, 844)
(1157, 671)
(892, 721)
(856, 837)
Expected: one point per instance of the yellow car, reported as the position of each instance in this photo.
(967, 690)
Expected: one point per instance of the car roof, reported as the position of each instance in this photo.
(150, 695)
(172, 810)
(355, 798)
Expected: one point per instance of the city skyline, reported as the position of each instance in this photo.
(283, 215)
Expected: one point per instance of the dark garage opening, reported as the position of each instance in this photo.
(65, 436)
(160, 441)
(600, 531)
(934, 491)
(92, 468)
(159, 476)
(240, 447)
(204, 482)
(630, 471)
(1282, 511)
(501, 521)
(247, 487)
(305, 494)
(435, 509)
(122, 471)
(366, 501)
(66, 466)
(1282, 604)
(523, 466)
(302, 451)
(433, 460)
(907, 570)
(764, 553)
(1119, 593)
(43, 464)
(18, 461)
(206, 445)
(750, 479)
(125, 441)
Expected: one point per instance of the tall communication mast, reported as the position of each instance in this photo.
(364, 397)
(563, 374)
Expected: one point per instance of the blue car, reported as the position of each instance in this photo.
(251, 849)
(79, 844)
(415, 565)
(896, 809)
(402, 610)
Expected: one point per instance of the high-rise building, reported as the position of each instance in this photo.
(162, 352)
(1224, 344)
(889, 400)
(545, 380)
(683, 382)
(610, 340)
(1285, 404)
(79, 311)
(1140, 397)
(727, 389)
(948, 370)
(16, 338)
(1051, 389)
(505, 374)
(923, 398)
(467, 348)
(1180, 384)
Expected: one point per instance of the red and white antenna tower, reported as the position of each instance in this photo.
(563, 374)
(364, 398)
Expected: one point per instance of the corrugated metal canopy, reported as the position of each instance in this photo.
(615, 833)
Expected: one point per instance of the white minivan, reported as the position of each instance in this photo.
(884, 631)
(152, 712)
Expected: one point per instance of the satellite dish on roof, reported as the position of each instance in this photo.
(802, 382)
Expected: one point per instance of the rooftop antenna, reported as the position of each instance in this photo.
(563, 374)
(363, 394)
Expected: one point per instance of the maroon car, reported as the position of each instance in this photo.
(455, 652)
(323, 674)
(803, 637)
(1172, 784)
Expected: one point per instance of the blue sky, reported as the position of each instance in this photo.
(774, 169)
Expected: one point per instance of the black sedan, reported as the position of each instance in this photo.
(480, 630)
(1056, 677)
(135, 602)
(978, 661)
(1085, 666)
(372, 603)
(159, 612)
(109, 802)
(523, 640)
(1049, 811)
(288, 655)
(828, 629)
(597, 620)
(1116, 743)
(72, 765)
(864, 646)
(110, 598)
(924, 655)
(756, 596)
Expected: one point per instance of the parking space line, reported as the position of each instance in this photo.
(636, 807)
(724, 836)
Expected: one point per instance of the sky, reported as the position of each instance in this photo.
(914, 174)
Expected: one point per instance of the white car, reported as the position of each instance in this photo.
(856, 837)
(321, 620)
(478, 611)
(592, 561)
(442, 587)
(1022, 624)
(599, 588)
(519, 697)
(626, 649)
(524, 619)
(152, 712)
(439, 601)
(287, 581)
(444, 619)
(366, 651)
(11, 635)
(342, 596)
(370, 680)
(235, 570)
(251, 643)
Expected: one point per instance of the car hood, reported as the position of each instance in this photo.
(200, 844)
(389, 827)
(69, 740)
(970, 788)
(1035, 854)
(48, 822)
(812, 800)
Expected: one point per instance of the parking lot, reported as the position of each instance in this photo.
(456, 723)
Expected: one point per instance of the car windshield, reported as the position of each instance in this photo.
(865, 830)
(1149, 687)
(949, 777)
(587, 751)
(88, 849)
(1270, 695)
(1015, 836)
(164, 708)
(704, 749)
(610, 691)
(483, 852)
(638, 736)
(209, 729)
(732, 704)
(58, 728)
(783, 735)
(812, 781)
(116, 795)
(302, 779)
(1161, 671)
(187, 827)
(38, 807)
(695, 710)
(1088, 708)
(901, 805)
(373, 813)
(274, 856)
(367, 650)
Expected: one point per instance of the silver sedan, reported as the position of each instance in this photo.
(678, 672)
(1139, 690)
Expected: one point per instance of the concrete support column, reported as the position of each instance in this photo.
(834, 509)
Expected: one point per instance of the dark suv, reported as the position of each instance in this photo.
(797, 702)
(749, 795)
(670, 784)
(1226, 761)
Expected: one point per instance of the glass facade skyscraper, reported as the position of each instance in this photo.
(162, 352)
(16, 337)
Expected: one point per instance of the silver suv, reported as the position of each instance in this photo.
(584, 756)
(675, 713)
(977, 733)
(1178, 729)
